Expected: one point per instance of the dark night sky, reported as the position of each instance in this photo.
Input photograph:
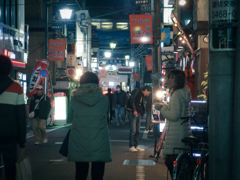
(104, 3)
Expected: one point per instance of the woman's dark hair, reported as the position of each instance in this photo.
(180, 79)
(89, 77)
(5, 65)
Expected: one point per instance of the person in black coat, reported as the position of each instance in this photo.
(41, 105)
(135, 110)
(110, 97)
(12, 118)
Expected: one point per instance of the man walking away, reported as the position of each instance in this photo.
(41, 106)
(12, 118)
(119, 104)
(110, 97)
(136, 110)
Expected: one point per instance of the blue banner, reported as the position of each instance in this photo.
(165, 35)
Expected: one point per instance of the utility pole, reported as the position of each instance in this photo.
(222, 63)
(236, 119)
(156, 72)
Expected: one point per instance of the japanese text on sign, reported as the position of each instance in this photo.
(141, 29)
(149, 63)
(56, 49)
(224, 10)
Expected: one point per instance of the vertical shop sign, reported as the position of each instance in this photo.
(70, 65)
(149, 63)
(165, 35)
(56, 49)
(136, 77)
(223, 36)
(141, 29)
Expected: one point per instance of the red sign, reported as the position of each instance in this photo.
(141, 29)
(136, 77)
(36, 78)
(102, 73)
(149, 63)
(56, 49)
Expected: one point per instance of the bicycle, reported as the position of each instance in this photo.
(188, 164)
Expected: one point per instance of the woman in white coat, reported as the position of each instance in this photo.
(180, 97)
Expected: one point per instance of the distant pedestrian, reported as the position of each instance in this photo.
(128, 94)
(178, 107)
(110, 97)
(119, 104)
(136, 110)
(89, 137)
(12, 118)
(40, 104)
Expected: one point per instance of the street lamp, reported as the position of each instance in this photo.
(107, 54)
(182, 2)
(65, 13)
(127, 57)
(113, 45)
(131, 64)
(79, 72)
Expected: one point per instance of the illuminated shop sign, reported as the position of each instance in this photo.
(9, 54)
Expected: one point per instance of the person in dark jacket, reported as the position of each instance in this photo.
(41, 106)
(12, 118)
(119, 104)
(110, 97)
(136, 110)
(89, 139)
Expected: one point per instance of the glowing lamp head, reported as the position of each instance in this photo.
(182, 2)
(65, 13)
(107, 54)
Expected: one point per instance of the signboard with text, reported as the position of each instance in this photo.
(102, 73)
(149, 63)
(56, 49)
(70, 65)
(136, 77)
(141, 29)
(223, 37)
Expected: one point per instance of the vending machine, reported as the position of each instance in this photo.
(60, 103)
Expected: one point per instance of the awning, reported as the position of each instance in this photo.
(184, 36)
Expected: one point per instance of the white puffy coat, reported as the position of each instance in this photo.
(178, 107)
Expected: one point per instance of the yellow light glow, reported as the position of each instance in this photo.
(137, 28)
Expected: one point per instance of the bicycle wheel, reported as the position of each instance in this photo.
(202, 170)
(183, 170)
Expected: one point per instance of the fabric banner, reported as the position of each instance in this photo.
(56, 49)
(70, 65)
(141, 29)
(36, 78)
(149, 63)
(165, 35)
(136, 77)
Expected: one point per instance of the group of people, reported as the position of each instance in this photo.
(89, 139)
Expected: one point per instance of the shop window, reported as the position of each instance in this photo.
(97, 24)
(107, 25)
(122, 25)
